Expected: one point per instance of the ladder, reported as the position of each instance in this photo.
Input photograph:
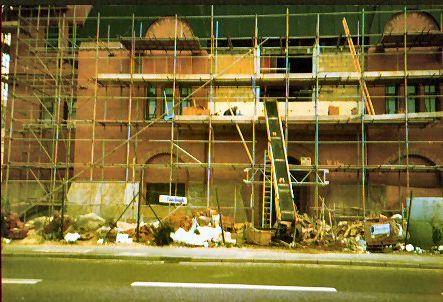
(283, 196)
(267, 206)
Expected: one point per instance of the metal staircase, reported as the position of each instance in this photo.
(281, 178)
(267, 206)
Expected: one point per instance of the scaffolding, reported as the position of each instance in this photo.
(50, 101)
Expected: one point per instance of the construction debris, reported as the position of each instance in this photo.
(179, 219)
(88, 223)
(146, 233)
(123, 238)
(13, 227)
(203, 228)
(38, 223)
(409, 247)
(107, 233)
(52, 226)
(162, 234)
(72, 237)
(201, 235)
(125, 227)
(376, 232)
(379, 234)
(347, 229)
(256, 236)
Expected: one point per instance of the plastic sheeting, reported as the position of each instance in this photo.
(201, 235)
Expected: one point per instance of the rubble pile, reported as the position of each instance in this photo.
(85, 227)
(313, 231)
(88, 223)
(418, 250)
(346, 229)
(13, 227)
(162, 234)
(106, 234)
(49, 228)
(146, 233)
(349, 235)
(209, 228)
(179, 219)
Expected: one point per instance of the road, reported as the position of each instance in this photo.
(70, 279)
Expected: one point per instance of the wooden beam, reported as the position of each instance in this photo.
(365, 92)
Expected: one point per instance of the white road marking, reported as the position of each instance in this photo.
(63, 250)
(212, 263)
(235, 286)
(20, 281)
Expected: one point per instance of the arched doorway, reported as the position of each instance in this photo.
(157, 178)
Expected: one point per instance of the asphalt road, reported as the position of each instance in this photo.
(68, 279)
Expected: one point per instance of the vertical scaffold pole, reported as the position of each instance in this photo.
(94, 109)
(362, 118)
(287, 79)
(59, 92)
(211, 107)
(131, 87)
(11, 116)
(171, 170)
(256, 93)
(316, 151)
(405, 64)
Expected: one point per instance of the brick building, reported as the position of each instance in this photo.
(103, 105)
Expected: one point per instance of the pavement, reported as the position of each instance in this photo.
(230, 255)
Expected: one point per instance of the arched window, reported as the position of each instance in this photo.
(416, 22)
(164, 28)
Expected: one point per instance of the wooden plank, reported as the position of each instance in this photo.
(419, 117)
(294, 78)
